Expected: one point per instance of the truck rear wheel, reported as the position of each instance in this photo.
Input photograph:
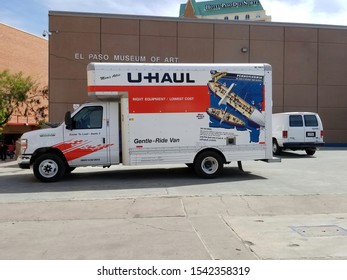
(276, 149)
(49, 168)
(208, 164)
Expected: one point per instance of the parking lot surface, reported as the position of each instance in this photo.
(295, 209)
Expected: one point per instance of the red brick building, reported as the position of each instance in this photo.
(23, 52)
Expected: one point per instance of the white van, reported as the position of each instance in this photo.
(297, 131)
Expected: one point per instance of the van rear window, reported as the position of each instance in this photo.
(310, 120)
(295, 121)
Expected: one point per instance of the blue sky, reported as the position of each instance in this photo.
(32, 15)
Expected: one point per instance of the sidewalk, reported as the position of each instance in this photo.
(179, 228)
(8, 163)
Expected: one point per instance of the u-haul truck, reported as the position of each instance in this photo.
(202, 115)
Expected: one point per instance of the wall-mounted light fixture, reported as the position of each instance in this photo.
(48, 33)
(244, 50)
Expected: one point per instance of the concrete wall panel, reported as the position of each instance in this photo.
(74, 24)
(158, 47)
(331, 35)
(158, 28)
(269, 52)
(237, 32)
(195, 30)
(332, 96)
(334, 118)
(277, 97)
(300, 96)
(120, 26)
(195, 50)
(296, 34)
(226, 50)
(300, 63)
(266, 33)
(120, 44)
(68, 91)
(332, 64)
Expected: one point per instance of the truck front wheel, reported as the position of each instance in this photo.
(208, 164)
(49, 168)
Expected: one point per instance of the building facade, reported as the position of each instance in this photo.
(23, 52)
(309, 61)
(224, 9)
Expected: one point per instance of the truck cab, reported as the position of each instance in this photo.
(84, 139)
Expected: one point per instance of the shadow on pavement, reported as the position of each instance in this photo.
(295, 155)
(119, 179)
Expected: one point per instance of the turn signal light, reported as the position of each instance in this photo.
(23, 145)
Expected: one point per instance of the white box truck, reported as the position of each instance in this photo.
(202, 115)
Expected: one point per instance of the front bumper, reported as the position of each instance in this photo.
(24, 161)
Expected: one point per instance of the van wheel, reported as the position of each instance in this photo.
(276, 150)
(310, 152)
(49, 168)
(208, 165)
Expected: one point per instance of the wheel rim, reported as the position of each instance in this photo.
(209, 165)
(274, 147)
(48, 168)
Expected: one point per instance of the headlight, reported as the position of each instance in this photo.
(23, 145)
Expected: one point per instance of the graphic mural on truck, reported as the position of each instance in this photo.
(237, 102)
(231, 102)
(74, 149)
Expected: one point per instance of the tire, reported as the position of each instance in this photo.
(69, 169)
(208, 165)
(310, 152)
(49, 168)
(276, 150)
(190, 165)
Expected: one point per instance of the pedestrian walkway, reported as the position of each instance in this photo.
(8, 163)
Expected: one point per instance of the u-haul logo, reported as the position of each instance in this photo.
(156, 77)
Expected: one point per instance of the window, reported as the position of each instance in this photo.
(295, 121)
(226, 18)
(236, 18)
(310, 120)
(247, 17)
(88, 118)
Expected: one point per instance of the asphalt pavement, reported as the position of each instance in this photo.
(295, 209)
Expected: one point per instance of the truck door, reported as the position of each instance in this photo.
(312, 131)
(296, 131)
(86, 143)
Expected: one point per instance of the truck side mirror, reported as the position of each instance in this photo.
(68, 120)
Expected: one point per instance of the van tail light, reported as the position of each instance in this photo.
(284, 134)
(321, 133)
